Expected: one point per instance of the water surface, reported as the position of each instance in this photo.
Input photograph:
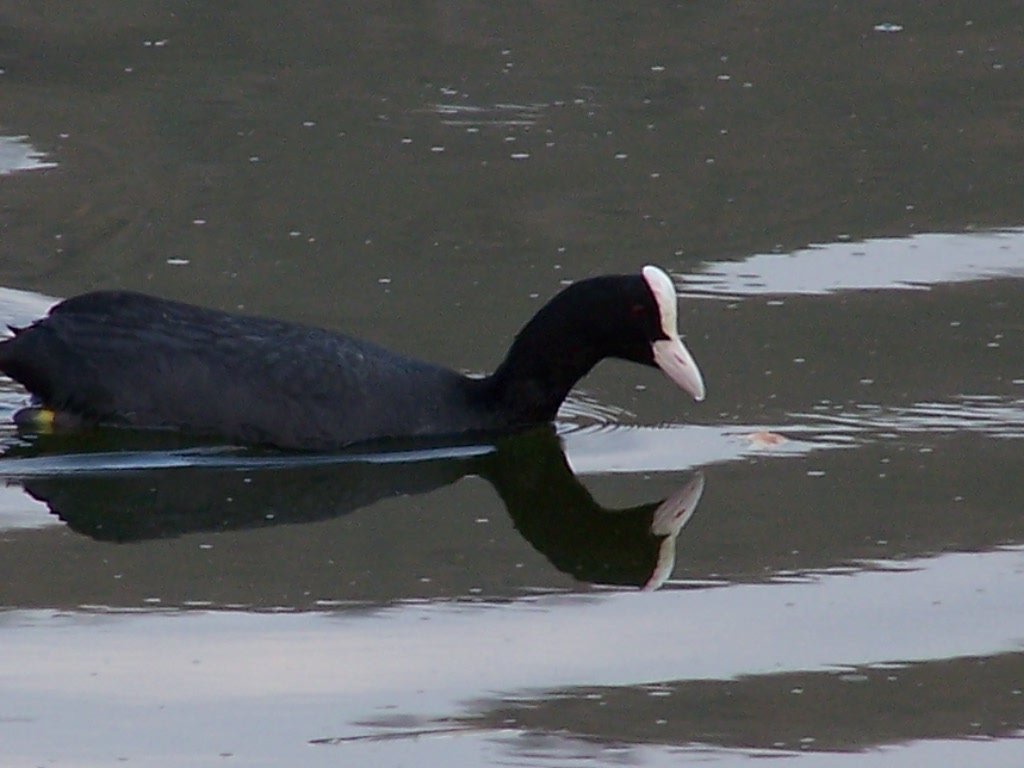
(820, 564)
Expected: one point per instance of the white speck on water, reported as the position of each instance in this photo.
(254, 158)
(888, 27)
(483, 520)
(308, 124)
(199, 222)
(657, 68)
(129, 70)
(724, 78)
(853, 678)
(437, 149)
(384, 280)
(206, 546)
(177, 262)
(815, 473)
(621, 155)
(520, 155)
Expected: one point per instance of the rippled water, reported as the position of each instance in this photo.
(821, 564)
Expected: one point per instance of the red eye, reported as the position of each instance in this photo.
(638, 310)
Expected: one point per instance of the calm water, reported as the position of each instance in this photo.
(837, 192)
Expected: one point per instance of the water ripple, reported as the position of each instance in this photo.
(992, 416)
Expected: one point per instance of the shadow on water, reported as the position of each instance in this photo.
(137, 495)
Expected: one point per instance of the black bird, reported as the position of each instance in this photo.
(126, 359)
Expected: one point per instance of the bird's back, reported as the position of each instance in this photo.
(130, 359)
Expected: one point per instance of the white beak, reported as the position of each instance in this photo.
(670, 353)
(675, 360)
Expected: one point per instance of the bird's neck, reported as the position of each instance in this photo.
(549, 355)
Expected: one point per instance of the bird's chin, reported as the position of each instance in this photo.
(672, 356)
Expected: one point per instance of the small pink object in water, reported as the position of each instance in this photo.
(765, 439)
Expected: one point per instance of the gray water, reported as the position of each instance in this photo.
(822, 563)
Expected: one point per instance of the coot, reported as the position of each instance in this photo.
(127, 359)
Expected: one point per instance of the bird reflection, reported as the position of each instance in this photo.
(162, 491)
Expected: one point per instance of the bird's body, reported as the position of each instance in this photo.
(132, 360)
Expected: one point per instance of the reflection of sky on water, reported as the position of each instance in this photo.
(16, 154)
(887, 263)
(948, 606)
(955, 605)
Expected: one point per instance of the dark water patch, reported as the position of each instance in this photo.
(846, 710)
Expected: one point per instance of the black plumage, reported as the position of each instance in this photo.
(127, 359)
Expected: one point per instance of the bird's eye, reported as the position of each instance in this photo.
(638, 310)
